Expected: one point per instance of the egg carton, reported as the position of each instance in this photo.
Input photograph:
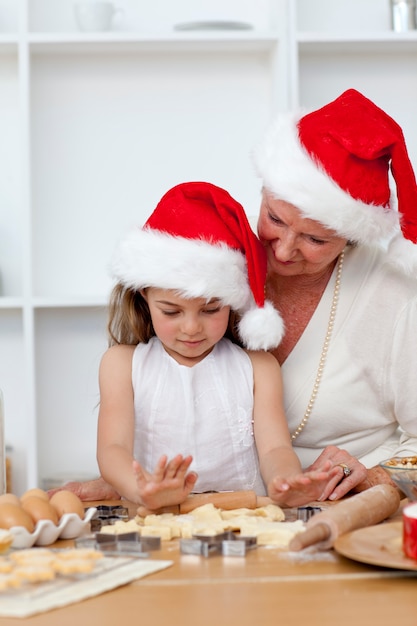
(46, 532)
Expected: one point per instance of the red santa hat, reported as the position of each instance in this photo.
(333, 165)
(198, 242)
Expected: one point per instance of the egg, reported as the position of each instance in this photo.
(10, 498)
(67, 502)
(40, 509)
(13, 515)
(39, 493)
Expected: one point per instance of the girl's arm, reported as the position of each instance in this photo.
(170, 482)
(116, 420)
(273, 441)
(280, 467)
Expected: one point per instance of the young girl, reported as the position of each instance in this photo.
(183, 407)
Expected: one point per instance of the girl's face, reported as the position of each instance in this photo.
(295, 244)
(187, 328)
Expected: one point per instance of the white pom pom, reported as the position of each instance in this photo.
(261, 329)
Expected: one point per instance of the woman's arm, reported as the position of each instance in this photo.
(89, 490)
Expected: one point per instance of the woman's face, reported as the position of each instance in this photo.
(295, 244)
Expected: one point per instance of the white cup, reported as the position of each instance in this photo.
(92, 15)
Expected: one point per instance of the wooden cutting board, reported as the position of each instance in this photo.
(376, 545)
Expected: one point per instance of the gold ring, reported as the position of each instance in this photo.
(346, 471)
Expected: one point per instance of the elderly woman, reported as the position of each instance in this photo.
(348, 297)
(342, 267)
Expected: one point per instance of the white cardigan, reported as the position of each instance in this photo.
(369, 385)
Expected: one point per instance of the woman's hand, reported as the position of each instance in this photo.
(169, 484)
(89, 490)
(375, 476)
(301, 488)
(340, 484)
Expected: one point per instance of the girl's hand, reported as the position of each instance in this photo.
(301, 488)
(169, 484)
(340, 484)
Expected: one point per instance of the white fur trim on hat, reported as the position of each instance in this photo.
(195, 268)
(291, 174)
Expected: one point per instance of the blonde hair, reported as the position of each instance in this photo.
(130, 322)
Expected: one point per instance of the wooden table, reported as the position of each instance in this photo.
(266, 588)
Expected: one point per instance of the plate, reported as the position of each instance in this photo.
(376, 545)
(46, 532)
(214, 25)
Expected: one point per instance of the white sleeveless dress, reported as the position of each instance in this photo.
(205, 410)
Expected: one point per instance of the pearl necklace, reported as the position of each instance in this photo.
(325, 349)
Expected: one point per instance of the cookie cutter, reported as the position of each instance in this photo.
(226, 544)
(305, 512)
(122, 544)
(107, 514)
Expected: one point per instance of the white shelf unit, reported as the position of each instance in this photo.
(96, 127)
(102, 125)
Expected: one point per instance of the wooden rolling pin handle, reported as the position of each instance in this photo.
(311, 536)
(363, 509)
(263, 501)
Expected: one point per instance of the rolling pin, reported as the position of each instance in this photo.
(364, 509)
(226, 500)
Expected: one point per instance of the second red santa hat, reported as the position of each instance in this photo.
(334, 165)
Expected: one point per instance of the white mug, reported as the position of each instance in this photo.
(92, 15)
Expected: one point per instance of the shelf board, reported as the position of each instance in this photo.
(8, 302)
(9, 43)
(384, 42)
(142, 42)
(69, 302)
(53, 302)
